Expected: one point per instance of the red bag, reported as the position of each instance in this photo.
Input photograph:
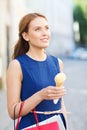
(48, 126)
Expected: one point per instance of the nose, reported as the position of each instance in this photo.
(44, 32)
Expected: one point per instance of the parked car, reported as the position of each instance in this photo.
(79, 53)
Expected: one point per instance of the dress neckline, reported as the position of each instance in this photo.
(40, 61)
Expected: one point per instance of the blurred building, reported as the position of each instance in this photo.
(3, 40)
(60, 17)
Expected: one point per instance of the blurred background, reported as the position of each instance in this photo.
(68, 24)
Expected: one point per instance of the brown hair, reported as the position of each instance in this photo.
(22, 46)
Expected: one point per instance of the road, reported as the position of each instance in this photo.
(75, 99)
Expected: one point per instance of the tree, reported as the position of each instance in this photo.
(80, 15)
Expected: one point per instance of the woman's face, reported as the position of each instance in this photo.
(39, 33)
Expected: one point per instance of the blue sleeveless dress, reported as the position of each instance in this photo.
(36, 76)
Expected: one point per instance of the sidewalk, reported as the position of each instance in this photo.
(5, 121)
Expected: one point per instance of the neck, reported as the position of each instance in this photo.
(39, 55)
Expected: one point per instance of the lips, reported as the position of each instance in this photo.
(44, 39)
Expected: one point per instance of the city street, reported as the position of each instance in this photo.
(75, 99)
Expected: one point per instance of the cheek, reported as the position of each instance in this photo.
(49, 35)
(34, 36)
(34, 39)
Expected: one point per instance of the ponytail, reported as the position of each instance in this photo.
(20, 48)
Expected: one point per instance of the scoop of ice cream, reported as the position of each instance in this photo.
(59, 79)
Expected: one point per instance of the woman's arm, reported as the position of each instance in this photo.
(63, 104)
(64, 112)
(14, 80)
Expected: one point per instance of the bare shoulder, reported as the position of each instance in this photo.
(60, 64)
(14, 64)
(14, 67)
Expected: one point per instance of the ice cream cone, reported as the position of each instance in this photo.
(59, 80)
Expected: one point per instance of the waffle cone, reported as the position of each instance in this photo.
(59, 84)
(59, 79)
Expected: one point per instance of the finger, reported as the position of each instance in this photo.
(56, 95)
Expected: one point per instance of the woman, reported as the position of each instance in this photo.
(30, 75)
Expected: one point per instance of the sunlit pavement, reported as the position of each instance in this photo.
(5, 121)
(75, 99)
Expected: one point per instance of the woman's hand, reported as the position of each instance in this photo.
(51, 93)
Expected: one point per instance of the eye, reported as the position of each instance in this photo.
(47, 28)
(37, 29)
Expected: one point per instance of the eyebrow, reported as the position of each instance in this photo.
(41, 26)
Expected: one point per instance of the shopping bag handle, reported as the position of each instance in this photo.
(19, 115)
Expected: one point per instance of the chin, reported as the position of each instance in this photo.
(46, 46)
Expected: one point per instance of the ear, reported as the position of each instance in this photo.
(25, 36)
